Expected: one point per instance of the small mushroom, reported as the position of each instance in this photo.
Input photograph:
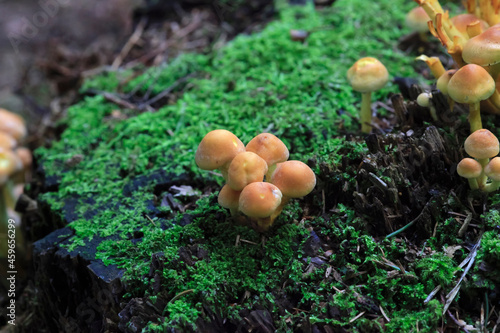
(482, 145)
(366, 76)
(294, 179)
(229, 198)
(416, 20)
(245, 168)
(492, 170)
(12, 124)
(471, 84)
(471, 170)
(270, 148)
(217, 149)
(260, 200)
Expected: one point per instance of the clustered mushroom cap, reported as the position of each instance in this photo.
(269, 147)
(245, 168)
(12, 124)
(483, 49)
(229, 198)
(7, 141)
(417, 19)
(471, 84)
(492, 169)
(294, 178)
(367, 74)
(217, 149)
(461, 22)
(442, 82)
(482, 144)
(469, 168)
(259, 199)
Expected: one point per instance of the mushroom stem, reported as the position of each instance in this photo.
(481, 180)
(473, 183)
(366, 112)
(475, 117)
(491, 187)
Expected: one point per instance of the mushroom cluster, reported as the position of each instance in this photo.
(259, 178)
(14, 161)
(473, 42)
(483, 146)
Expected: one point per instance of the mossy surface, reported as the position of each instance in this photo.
(264, 82)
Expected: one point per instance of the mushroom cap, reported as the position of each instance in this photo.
(492, 169)
(245, 168)
(483, 49)
(25, 156)
(424, 99)
(7, 141)
(217, 149)
(471, 84)
(12, 124)
(259, 199)
(229, 198)
(417, 19)
(269, 147)
(461, 22)
(367, 75)
(469, 168)
(294, 179)
(482, 144)
(442, 82)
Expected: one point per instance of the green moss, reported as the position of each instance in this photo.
(420, 321)
(262, 82)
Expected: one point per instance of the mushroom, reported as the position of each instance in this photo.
(365, 76)
(229, 198)
(259, 201)
(270, 148)
(468, 24)
(482, 145)
(245, 168)
(425, 99)
(470, 85)
(416, 20)
(12, 124)
(294, 179)
(442, 85)
(492, 170)
(471, 169)
(484, 50)
(217, 149)
(434, 64)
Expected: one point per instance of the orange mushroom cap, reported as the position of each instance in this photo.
(461, 22)
(471, 84)
(367, 74)
(492, 169)
(294, 179)
(259, 199)
(483, 49)
(12, 124)
(245, 168)
(482, 144)
(269, 147)
(217, 149)
(417, 19)
(229, 198)
(469, 168)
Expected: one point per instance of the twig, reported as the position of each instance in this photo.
(383, 313)
(432, 294)
(130, 43)
(461, 326)
(465, 225)
(166, 91)
(118, 101)
(453, 293)
(357, 317)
